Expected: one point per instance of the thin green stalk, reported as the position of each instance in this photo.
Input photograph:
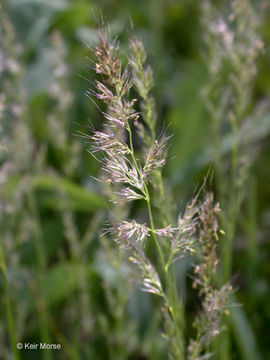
(60, 337)
(172, 300)
(147, 198)
(41, 257)
(9, 314)
(232, 209)
(250, 227)
(162, 259)
(230, 225)
(132, 148)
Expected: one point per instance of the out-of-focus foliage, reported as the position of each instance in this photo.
(66, 285)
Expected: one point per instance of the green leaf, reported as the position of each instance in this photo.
(71, 18)
(58, 192)
(61, 281)
(244, 335)
(52, 240)
(72, 195)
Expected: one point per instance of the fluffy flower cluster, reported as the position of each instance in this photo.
(155, 157)
(115, 86)
(150, 280)
(119, 162)
(131, 231)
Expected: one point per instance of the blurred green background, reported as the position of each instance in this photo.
(62, 287)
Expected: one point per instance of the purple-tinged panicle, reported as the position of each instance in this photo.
(187, 223)
(128, 194)
(131, 236)
(167, 232)
(108, 142)
(150, 279)
(121, 170)
(103, 93)
(108, 62)
(156, 156)
(131, 231)
(120, 110)
(151, 283)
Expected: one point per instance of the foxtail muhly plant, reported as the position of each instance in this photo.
(152, 250)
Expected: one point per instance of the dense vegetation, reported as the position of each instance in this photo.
(61, 282)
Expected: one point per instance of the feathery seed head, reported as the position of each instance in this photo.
(117, 85)
(108, 142)
(121, 170)
(155, 157)
(167, 232)
(128, 194)
(108, 62)
(149, 278)
(131, 231)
